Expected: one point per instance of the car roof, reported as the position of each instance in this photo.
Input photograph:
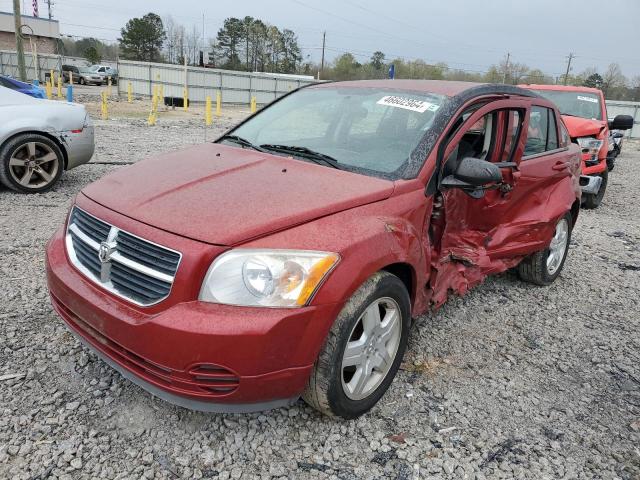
(565, 88)
(439, 87)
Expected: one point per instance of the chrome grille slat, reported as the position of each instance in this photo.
(131, 267)
(94, 228)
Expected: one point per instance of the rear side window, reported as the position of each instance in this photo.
(565, 138)
(542, 134)
(552, 136)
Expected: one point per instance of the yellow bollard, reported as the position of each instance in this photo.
(105, 109)
(218, 104)
(207, 112)
(153, 115)
(130, 93)
(254, 105)
(51, 78)
(59, 86)
(47, 89)
(185, 99)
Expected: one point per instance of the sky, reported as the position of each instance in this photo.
(466, 34)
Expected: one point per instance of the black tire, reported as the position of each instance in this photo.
(44, 145)
(611, 161)
(325, 391)
(534, 269)
(82, 81)
(591, 201)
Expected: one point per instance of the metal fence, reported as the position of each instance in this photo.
(45, 63)
(619, 107)
(234, 87)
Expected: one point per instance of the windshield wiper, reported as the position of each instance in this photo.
(241, 141)
(303, 152)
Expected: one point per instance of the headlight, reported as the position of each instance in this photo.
(591, 146)
(266, 278)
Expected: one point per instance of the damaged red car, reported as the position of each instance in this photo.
(288, 258)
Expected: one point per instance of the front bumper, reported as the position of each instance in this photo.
(197, 355)
(590, 167)
(590, 184)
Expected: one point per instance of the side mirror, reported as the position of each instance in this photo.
(621, 122)
(477, 172)
(473, 175)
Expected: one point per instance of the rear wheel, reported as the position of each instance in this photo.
(543, 267)
(82, 81)
(363, 350)
(30, 163)
(592, 201)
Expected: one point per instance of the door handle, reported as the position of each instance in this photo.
(560, 166)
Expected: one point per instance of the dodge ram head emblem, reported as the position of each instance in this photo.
(104, 252)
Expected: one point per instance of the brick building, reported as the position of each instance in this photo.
(46, 33)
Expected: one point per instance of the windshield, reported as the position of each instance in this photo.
(578, 104)
(366, 130)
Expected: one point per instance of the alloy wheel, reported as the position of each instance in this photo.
(558, 246)
(33, 165)
(371, 348)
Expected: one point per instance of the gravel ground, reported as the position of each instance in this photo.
(510, 381)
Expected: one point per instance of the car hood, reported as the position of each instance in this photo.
(226, 195)
(583, 127)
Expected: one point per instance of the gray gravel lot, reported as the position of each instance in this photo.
(510, 381)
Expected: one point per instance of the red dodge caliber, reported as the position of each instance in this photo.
(287, 258)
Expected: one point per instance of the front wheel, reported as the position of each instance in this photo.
(363, 350)
(82, 81)
(543, 267)
(593, 200)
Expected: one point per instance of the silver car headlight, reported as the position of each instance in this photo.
(590, 145)
(266, 278)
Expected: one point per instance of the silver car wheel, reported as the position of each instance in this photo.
(371, 348)
(558, 246)
(34, 165)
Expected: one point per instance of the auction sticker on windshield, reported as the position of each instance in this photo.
(408, 103)
(587, 99)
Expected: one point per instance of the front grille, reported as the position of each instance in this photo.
(127, 265)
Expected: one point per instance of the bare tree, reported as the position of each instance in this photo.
(613, 78)
(193, 40)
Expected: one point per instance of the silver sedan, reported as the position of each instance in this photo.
(39, 139)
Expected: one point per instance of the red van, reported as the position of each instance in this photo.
(584, 112)
(288, 258)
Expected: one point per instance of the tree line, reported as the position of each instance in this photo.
(247, 44)
(612, 82)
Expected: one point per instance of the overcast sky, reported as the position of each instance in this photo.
(467, 34)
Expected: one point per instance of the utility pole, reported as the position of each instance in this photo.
(506, 67)
(566, 75)
(49, 8)
(19, 48)
(324, 38)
